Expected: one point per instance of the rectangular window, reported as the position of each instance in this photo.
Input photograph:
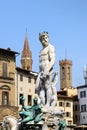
(69, 122)
(76, 118)
(61, 103)
(83, 94)
(76, 107)
(29, 79)
(83, 108)
(68, 104)
(4, 70)
(68, 114)
(29, 100)
(20, 95)
(21, 77)
(83, 117)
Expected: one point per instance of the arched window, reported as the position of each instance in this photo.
(28, 67)
(69, 73)
(5, 98)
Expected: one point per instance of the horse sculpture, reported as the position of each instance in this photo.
(11, 122)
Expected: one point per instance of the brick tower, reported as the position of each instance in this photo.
(26, 58)
(65, 74)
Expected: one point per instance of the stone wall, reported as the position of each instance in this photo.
(8, 110)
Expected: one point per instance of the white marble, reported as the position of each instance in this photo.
(47, 77)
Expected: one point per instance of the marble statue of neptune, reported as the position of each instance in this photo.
(47, 78)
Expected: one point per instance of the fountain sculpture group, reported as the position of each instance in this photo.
(43, 115)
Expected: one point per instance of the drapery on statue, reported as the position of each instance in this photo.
(47, 78)
(30, 113)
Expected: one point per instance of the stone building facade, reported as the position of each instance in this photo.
(82, 96)
(16, 81)
(76, 110)
(65, 103)
(25, 86)
(7, 83)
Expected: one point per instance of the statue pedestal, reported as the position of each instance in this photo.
(52, 116)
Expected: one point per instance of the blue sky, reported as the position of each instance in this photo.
(65, 20)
